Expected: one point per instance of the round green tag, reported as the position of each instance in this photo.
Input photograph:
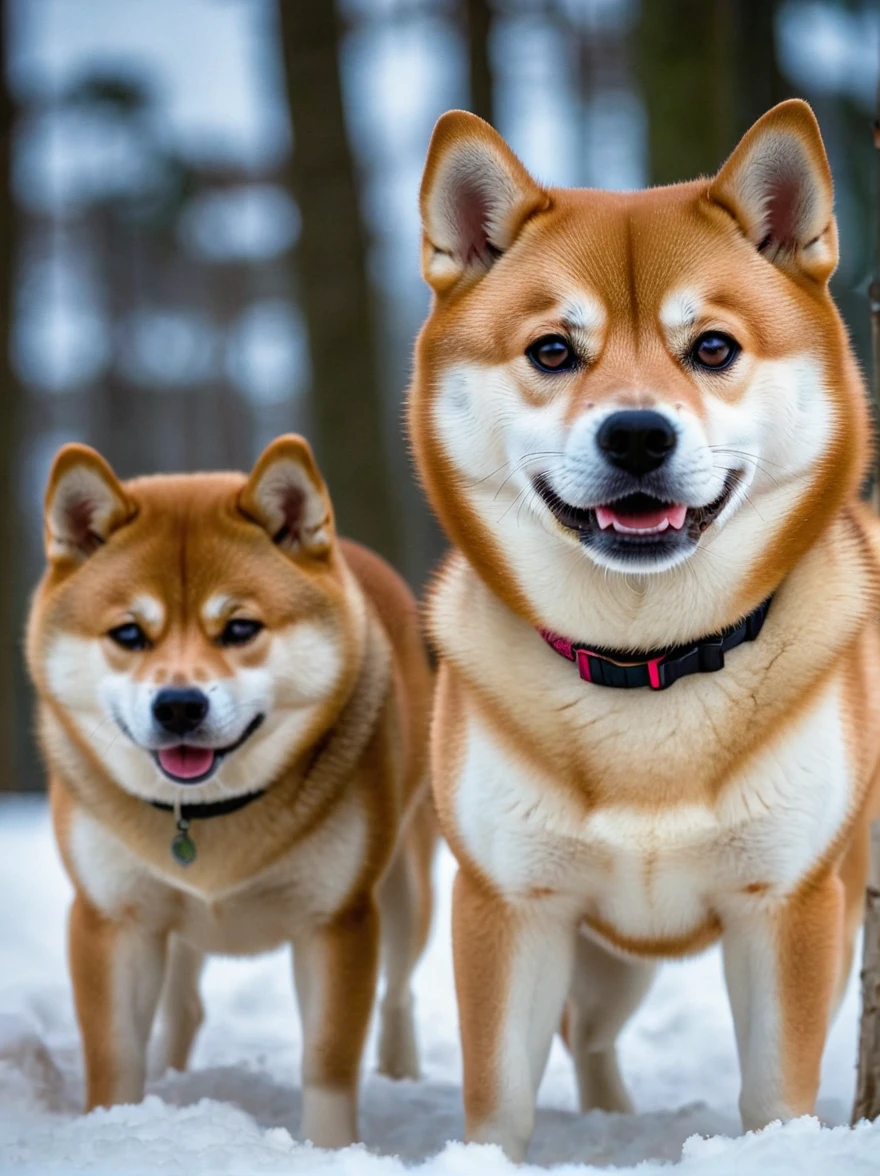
(183, 849)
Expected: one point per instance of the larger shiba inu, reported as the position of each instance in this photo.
(234, 711)
(658, 713)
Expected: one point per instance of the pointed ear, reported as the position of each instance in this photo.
(85, 503)
(286, 495)
(475, 198)
(777, 185)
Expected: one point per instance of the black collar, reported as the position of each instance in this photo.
(218, 808)
(659, 668)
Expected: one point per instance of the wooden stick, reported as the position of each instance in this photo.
(867, 1101)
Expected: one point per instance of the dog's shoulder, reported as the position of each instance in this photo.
(394, 607)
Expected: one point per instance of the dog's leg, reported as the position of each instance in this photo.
(180, 1006)
(853, 872)
(512, 971)
(405, 902)
(782, 965)
(336, 968)
(605, 991)
(116, 969)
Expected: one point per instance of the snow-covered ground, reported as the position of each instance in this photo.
(237, 1109)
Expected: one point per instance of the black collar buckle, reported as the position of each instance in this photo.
(659, 669)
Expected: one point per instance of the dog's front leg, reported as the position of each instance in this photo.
(513, 965)
(781, 963)
(336, 968)
(116, 968)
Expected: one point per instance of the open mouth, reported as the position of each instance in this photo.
(186, 763)
(637, 524)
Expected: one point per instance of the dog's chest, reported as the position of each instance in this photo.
(305, 886)
(649, 866)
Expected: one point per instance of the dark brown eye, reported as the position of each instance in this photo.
(552, 353)
(714, 351)
(239, 631)
(130, 636)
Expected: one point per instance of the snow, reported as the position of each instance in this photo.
(236, 1111)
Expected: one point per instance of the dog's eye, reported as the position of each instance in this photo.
(130, 636)
(239, 631)
(714, 351)
(552, 353)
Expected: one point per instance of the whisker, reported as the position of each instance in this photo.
(752, 505)
(743, 453)
(520, 466)
(766, 473)
(533, 456)
(531, 492)
(759, 462)
(99, 726)
(511, 505)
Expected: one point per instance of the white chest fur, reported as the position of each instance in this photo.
(307, 885)
(657, 871)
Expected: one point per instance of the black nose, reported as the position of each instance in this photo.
(180, 711)
(636, 440)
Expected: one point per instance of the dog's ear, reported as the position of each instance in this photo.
(777, 185)
(286, 495)
(475, 198)
(85, 504)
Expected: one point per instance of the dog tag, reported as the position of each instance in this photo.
(183, 848)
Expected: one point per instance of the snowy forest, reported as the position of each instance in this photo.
(210, 221)
(209, 236)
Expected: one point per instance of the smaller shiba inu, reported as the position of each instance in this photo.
(234, 708)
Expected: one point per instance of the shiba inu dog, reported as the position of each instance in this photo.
(658, 711)
(234, 708)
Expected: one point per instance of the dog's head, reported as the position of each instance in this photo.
(654, 383)
(192, 630)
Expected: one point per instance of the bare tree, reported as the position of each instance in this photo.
(479, 29)
(347, 410)
(867, 1101)
(759, 82)
(10, 414)
(705, 88)
(687, 69)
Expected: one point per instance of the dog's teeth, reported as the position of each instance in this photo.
(625, 530)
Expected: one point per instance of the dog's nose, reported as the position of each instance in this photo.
(636, 440)
(180, 711)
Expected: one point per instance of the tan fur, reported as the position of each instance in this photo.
(334, 858)
(733, 804)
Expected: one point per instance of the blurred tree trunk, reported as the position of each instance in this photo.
(347, 408)
(479, 29)
(685, 60)
(710, 69)
(10, 412)
(867, 1100)
(874, 294)
(759, 80)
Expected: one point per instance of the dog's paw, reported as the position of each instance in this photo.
(329, 1116)
(600, 1086)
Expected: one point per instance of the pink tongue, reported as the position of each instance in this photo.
(673, 515)
(186, 762)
